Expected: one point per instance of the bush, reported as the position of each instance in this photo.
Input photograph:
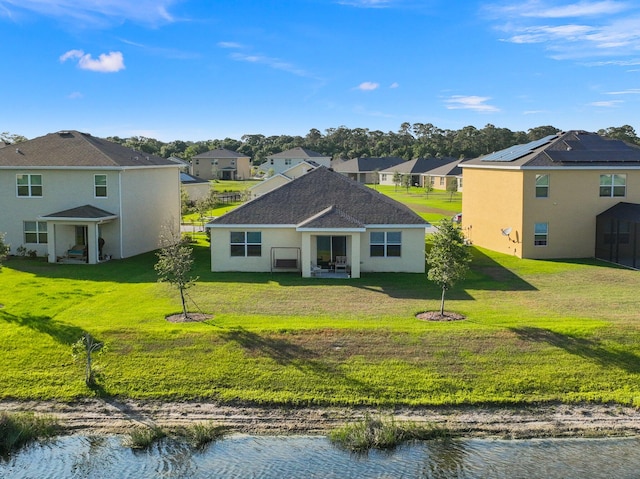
(144, 437)
(200, 435)
(18, 429)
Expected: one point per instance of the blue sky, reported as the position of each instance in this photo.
(198, 69)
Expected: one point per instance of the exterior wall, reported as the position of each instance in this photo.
(196, 191)
(570, 210)
(412, 259)
(279, 165)
(150, 201)
(267, 185)
(298, 170)
(221, 259)
(493, 201)
(211, 168)
(62, 189)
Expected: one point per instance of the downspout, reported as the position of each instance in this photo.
(121, 213)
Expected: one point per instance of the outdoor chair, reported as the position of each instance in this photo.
(341, 263)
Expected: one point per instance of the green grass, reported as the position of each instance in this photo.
(19, 429)
(536, 331)
(437, 205)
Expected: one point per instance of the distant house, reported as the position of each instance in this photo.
(570, 195)
(311, 223)
(185, 166)
(280, 162)
(365, 170)
(69, 194)
(196, 188)
(280, 179)
(221, 164)
(441, 176)
(416, 168)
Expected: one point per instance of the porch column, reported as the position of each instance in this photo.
(355, 255)
(305, 254)
(51, 242)
(92, 243)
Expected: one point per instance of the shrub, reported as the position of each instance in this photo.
(144, 437)
(200, 435)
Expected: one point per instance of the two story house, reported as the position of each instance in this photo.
(69, 194)
(569, 195)
(282, 161)
(221, 164)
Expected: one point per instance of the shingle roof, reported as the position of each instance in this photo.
(449, 169)
(298, 153)
(220, 153)
(363, 165)
(325, 199)
(572, 149)
(84, 212)
(420, 165)
(75, 149)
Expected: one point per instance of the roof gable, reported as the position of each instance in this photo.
(297, 153)
(363, 165)
(75, 149)
(220, 153)
(343, 202)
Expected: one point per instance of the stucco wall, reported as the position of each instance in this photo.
(412, 259)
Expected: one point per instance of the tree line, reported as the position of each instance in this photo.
(410, 141)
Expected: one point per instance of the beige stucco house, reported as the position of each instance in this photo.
(311, 222)
(365, 170)
(221, 164)
(548, 199)
(196, 188)
(280, 179)
(69, 194)
(280, 162)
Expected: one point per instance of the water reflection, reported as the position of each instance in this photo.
(314, 457)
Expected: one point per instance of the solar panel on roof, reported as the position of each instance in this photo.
(518, 151)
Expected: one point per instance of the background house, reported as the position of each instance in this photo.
(280, 179)
(282, 161)
(196, 188)
(365, 170)
(542, 199)
(221, 164)
(311, 221)
(441, 176)
(417, 169)
(69, 189)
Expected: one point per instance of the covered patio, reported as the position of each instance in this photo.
(77, 235)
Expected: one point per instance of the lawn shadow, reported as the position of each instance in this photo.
(61, 332)
(585, 348)
(486, 274)
(286, 353)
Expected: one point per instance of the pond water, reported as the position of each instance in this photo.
(241, 456)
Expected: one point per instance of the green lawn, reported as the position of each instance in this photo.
(535, 331)
(433, 208)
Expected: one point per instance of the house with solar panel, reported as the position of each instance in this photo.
(221, 164)
(317, 224)
(569, 195)
(77, 198)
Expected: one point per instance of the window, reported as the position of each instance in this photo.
(383, 177)
(541, 233)
(442, 181)
(29, 185)
(35, 232)
(197, 162)
(385, 243)
(100, 186)
(542, 186)
(613, 185)
(246, 243)
(287, 161)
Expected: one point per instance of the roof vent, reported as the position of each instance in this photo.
(18, 151)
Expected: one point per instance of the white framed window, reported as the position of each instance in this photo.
(100, 186)
(246, 243)
(541, 234)
(35, 232)
(542, 186)
(385, 244)
(442, 181)
(287, 161)
(29, 186)
(613, 186)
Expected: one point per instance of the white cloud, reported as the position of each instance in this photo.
(475, 103)
(233, 45)
(271, 62)
(606, 104)
(368, 86)
(76, 95)
(630, 91)
(86, 13)
(394, 85)
(106, 63)
(367, 3)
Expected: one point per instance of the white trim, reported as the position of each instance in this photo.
(338, 230)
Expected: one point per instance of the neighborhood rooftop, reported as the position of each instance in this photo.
(325, 196)
(76, 149)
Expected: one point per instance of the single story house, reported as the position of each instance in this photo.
(315, 221)
(365, 170)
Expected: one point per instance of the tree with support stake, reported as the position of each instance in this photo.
(448, 258)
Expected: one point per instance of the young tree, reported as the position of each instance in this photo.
(452, 187)
(175, 259)
(397, 179)
(86, 346)
(428, 185)
(406, 181)
(4, 249)
(448, 258)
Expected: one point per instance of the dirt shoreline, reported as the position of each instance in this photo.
(94, 416)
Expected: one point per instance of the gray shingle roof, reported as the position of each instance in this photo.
(420, 165)
(75, 149)
(81, 212)
(363, 165)
(449, 169)
(322, 198)
(572, 149)
(298, 153)
(220, 153)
